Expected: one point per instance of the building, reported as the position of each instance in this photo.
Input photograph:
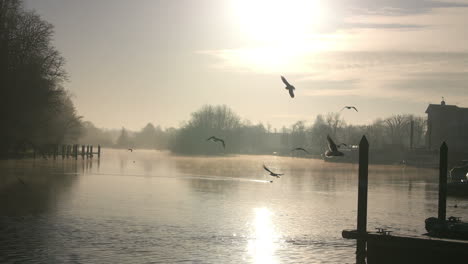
(447, 123)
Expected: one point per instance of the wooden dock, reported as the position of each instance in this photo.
(65, 151)
(383, 247)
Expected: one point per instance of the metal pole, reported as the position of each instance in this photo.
(443, 181)
(362, 197)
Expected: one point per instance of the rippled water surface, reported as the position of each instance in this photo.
(151, 207)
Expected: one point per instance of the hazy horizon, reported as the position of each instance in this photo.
(157, 61)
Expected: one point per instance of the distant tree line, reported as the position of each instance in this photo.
(34, 107)
(243, 137)
(149, 137)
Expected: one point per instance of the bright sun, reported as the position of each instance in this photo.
(280, 32)
(277, 21)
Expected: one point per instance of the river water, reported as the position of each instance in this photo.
(152, 207)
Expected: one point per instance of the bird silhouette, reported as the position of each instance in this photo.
(215, 139)
(300, 149)
(277, 175)
(349, 107)
(332, 149)
(341, 144)
(130, 149)
(288, 87)
(20, 180)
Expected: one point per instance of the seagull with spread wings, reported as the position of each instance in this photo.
(349, 107)
(288, 87)
(277, 175)
(332, 149)
(302, 149)
(215, 139)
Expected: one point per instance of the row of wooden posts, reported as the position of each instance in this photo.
(73, 151)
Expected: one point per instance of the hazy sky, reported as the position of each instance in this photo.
(134, 62)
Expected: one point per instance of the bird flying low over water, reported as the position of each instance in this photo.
(349, 107)
(277, 175)
(215, 139)
(130, 149)
(300, 149)
(288, 87)
(332, 149)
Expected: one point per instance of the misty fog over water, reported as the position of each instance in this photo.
(150, 206)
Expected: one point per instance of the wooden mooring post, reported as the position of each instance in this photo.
(443, 182)
(91, 152)
(99, 151)
(362, 199)
(56, 151)
(76, 151)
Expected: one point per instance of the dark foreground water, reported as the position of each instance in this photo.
(150, 207)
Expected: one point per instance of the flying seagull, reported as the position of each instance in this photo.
(215, 139)
(341, 144)
(301, 149)
(130, 149)
(332, 149)
(349, 107)
(288, 87)
(277, 175)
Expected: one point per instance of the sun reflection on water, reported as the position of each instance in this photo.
(262, 243)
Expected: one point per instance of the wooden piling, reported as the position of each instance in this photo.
(443, 181)
(99, 151)
(362, 197)
(63, 151)
(411, 133)
(91, 151)
(76, 151)
(82, 151)
(55, 151)
(87, 151)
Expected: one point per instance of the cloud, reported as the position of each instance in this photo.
(384, 26)
(398, 7)
(449, 84)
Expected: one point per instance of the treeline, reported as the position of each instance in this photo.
(34, 107)
(243, 137)
(149, 137)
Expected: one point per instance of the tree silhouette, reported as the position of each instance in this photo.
(34, 107)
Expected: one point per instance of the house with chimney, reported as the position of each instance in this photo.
(447, 123)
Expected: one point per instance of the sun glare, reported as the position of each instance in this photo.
(280, 32)
(262, 245)
(277, 21)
